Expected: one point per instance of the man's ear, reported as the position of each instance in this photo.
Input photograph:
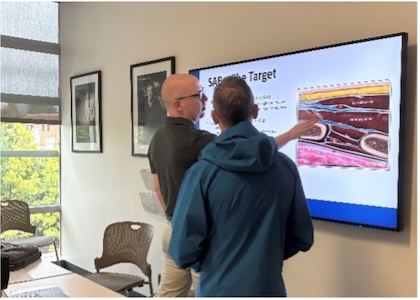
(215, 117)
(255, 110)
(176, 105)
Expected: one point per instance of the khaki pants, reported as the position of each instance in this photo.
(174, 282)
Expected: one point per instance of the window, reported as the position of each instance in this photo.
(30, 111)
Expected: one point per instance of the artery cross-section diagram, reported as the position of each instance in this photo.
(353, 126)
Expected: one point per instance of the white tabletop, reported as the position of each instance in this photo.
(71, 284)
(37, 270)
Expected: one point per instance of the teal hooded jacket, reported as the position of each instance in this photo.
(241, 211)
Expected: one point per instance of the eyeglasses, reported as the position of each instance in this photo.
(198, 95)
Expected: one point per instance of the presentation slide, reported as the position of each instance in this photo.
(349, 162)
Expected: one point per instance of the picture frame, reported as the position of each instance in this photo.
(148, 112)
(86, 123)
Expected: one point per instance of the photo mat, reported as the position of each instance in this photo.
(86, 112)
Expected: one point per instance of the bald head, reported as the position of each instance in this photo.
(179, 86)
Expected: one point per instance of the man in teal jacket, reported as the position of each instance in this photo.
(241, 209)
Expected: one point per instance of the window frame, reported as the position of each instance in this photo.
(18, 43)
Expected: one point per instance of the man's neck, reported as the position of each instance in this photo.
(180, 116)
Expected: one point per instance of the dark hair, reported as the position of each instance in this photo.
(233, 100)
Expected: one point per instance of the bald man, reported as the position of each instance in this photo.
(173, 150)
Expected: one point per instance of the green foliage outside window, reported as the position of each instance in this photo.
(34, 180)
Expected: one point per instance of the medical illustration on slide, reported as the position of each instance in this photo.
(353, 126)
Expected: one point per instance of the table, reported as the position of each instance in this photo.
(43, 274)
(71, 284)
(37, 270)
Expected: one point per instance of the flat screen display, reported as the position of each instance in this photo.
(350, 162)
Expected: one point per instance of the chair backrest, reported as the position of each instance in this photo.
(126, 242)
(15, 214)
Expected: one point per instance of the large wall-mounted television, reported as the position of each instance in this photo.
(351, 161)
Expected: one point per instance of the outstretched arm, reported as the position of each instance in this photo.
(295, 132)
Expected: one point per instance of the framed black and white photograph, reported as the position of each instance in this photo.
(86, 123)
(148, 112)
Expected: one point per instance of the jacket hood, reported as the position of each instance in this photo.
(241, 148)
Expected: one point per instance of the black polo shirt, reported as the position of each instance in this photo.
(172, 151)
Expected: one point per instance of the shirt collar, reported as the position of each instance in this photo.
(179, 120)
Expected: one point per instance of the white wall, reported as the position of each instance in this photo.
(98, 189)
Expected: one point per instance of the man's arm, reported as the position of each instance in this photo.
(299, 231)
(295, 132)
(189, 222)
(156, 187)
